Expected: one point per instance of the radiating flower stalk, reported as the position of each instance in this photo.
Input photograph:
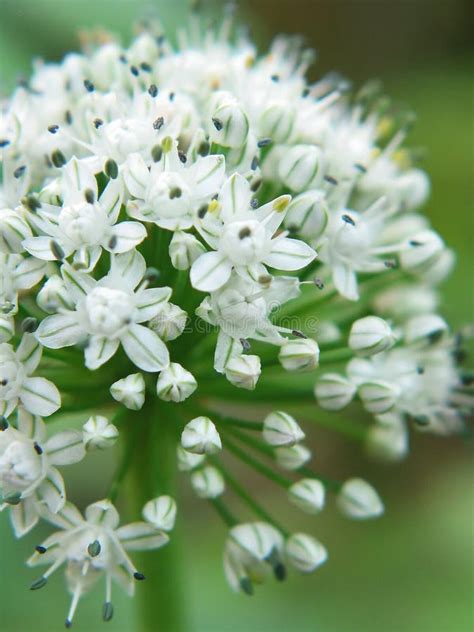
(196, 242)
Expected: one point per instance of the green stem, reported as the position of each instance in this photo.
(153, 470)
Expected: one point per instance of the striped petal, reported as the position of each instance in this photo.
(40, 396)
(141, 536)
(145, 349)
(60, 330)
(99, 350)
(65, 447)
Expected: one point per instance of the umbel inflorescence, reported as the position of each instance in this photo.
(185, 228)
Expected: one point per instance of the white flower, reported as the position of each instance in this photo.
(172, 192)
(29, 478)
(184, 249)
(98, 433)
(243, 239)
(243, 371)
(208, 482)
(279, 429)
(200, 436)
(304, 552)
(175, 384)
(292, 457)
(252, 551)
(54, 296)
(17, 273)
(370, 335)
(170, 322)
(334, 391)
(308, 494)
(357, 499)
(161, 512)
(85, 223)
(94, 546)
(299, 355)
(130, 391)
(13, 230)
(36, 394)
(108, 313)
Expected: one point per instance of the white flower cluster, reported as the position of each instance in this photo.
(225, 182)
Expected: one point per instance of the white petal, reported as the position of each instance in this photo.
(99, 350)
(29, 352)
(28, 273)
(87, 257)
(210, 271)
(24, 516)
(150, 302)
(30, 425)
(111, 199)
(68, 516)
(141, 536)
(59, 330)
(78, 284)
(145, 349)
(289, 254)
(76, 178)
(235, 196)
(40, 396)
(345, 280)
(130, 266)
(104, 513)
(208, 174)
(51, 491)
(226, 349)
(125, 236)
(39, 247)
(65, 447)
(136, 175)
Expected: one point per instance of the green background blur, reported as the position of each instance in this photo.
(411, 571)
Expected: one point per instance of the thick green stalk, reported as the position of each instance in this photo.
(159, 598)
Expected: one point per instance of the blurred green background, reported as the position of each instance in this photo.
(411, 571)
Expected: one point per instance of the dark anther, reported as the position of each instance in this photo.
(245, 344)
(56, 249)
(158, 124)
(275, 78)
(175, 192)
(244, 232)
(145, 66)
(98, 122)
(39, 583)
(156, 153)
(298, 334)
(153, 90)
(202, 211)
(38, 449)
(58, 159)
(94, 548)
(203, 149)
(360, 167)
(420, 370)
(348, 219)
(19, 171)
(4, 143)
(305, 93)
(318, 283)
(246, 586)
(88, 85)
(134, 70)
(279, 571)
(171, 96)
(254, 203)
(89, 196)
(53, 129)
(29, 325)
(31, 202)
(390, 263)
(435, 336)
(139, 576)
(254, 163)
(256, 185)
(217, 124)
(182, 156)
(107, 611)
(330, 179)
(40, 549)
(68, 117)
(113, 242)
(111, 169)
(413, 242)
(3, 424)
(264, 142)
(123, 59)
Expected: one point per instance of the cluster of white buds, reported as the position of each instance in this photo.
(187, 228)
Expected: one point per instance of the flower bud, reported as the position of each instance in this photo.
(276, 121)
(300, 167)
(200, 436)
(378, 396)
(328, 332)
(208, 482)
(13, 230)
(98, 433)
(412, 188)
(358, 499)
(258, 539)
(304, 552)
(243, 371)
(405, 300)
(175, 384)
(279, 429)
(370, 335)
(292, 457)
(387, 443)
(334, 391)
(184, 249)
(308, 494)
(130, 391)
(169, 324)
(7, 327)
(301, 354)
(229, 124)
(54, 295)
(423, 251)
(307, 214)
(425, 330)
(187, 461)
(160, 512)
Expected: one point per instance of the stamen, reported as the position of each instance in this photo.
(299, 334)
(29, 325)
(88, 85)
(158, 124)
(264, 142)
(98, 122)
(139, 576)
(19, 171)
(182, 156)
(111, 169)
(56, 249)
(89, 196)
(58, 159)
(145, 66)
(38, 449)
(245, 344)
(153, 90)
(348, 219)
(53, 129)
(40, 549)
(134, 70)
(39, 583)
(218, 124)
(331, 180)
(94, 548)
(3, 423)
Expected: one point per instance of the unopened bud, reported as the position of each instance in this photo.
(229, 126)
(175, 384)
(292, 457)
(184, 249)
(280, 429)
(370, 335)
(387, 443)
(422, 252)
(243, 371)
(208, 482)
(130, 391)
(53, 295)
(98, 433)
(334, 391)
(307, 214)
(308, 495)
(378, 396)
(357, 499)
(170, 322)
(277, 121)
(13, 230)
(200, 436)
(300, 167)
(304, 552)
(299, 355)
(161, 512)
